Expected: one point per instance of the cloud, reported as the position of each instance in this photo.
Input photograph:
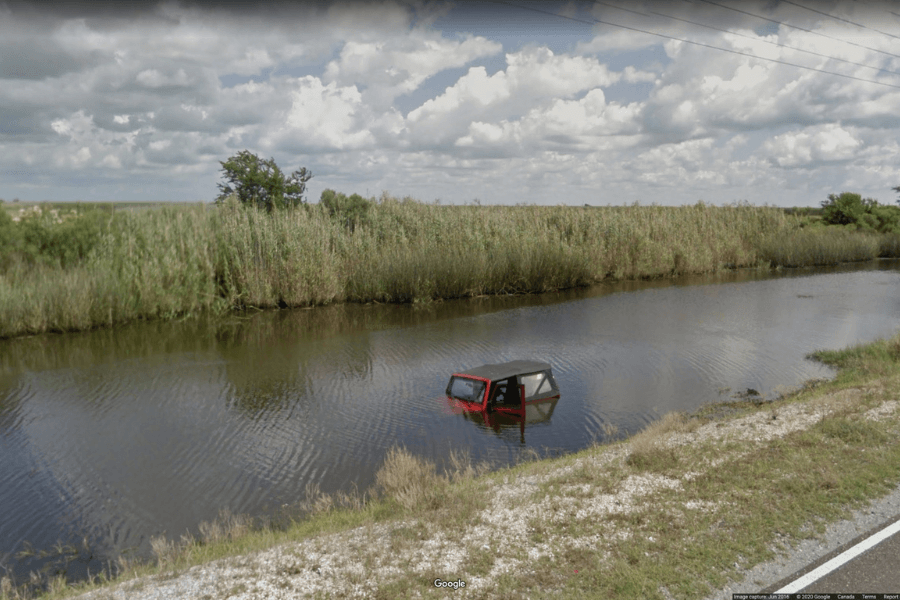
(389, 68)
(325, 116)
(533, 80)
(152, 78)
(812, 145)
(375, 95)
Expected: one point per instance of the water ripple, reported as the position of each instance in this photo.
(157, 435)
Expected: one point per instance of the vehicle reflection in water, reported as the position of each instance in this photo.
(536, 414)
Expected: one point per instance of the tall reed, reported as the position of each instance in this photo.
(184, 260)
(818, 246)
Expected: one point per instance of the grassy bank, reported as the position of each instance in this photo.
(64, 272)
(676, 511)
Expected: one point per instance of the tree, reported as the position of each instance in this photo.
(897, 189)
(852, 209)
(258, 182)
(845, 209)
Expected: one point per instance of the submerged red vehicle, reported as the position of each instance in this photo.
(517, 388)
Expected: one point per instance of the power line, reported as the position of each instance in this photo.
(840, 19)
(754, 38)
(782, 62)
(744, 12)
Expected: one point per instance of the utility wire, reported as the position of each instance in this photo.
(796, 27)
(840, 19)
(782, 62)
(749, 37)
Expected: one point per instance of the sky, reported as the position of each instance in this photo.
(520, 102)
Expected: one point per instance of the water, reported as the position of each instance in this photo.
(114, 436)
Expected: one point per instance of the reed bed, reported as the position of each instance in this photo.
(184, 260)
(819, 246)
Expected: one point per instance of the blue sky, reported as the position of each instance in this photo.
(520, 102)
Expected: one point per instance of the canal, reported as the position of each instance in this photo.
(110, 437)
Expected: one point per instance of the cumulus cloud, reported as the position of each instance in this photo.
(522, 100)
(821, 143)
(325, 115)
(393, 67)
(109, 94)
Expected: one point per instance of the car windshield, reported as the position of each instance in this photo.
(470, 390)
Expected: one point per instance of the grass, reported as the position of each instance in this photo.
(676, 511)
(69, 271)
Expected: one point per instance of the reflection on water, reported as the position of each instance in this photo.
(502, 424)
(123, 434)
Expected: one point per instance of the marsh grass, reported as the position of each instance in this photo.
(115, 267)
(822, 246)
(184, 260)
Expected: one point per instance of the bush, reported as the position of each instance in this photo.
(261, 183)
(43, 237)
(852, 209)
(10, 239)
(845, 209)
(71, 241)
(887, 218)
(349, 211)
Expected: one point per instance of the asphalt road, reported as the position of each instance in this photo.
(876, 570)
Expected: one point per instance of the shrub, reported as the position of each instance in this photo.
(10, 241)
(845, 209)
(71, 241)
(43, 237)
(261, 183)
(852, 209)
(887, 218)
(349, 211)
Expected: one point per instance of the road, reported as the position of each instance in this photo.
(876, 570)
(870, 564)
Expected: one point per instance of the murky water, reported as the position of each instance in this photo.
(120, 435)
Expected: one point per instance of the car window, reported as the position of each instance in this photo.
(470, 390)
(532, 383)
(545, 386)
(537, 383)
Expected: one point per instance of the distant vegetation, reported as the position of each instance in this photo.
(63, 270)
(846, 228)
(851, 209)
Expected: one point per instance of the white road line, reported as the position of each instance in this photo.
(840, 559)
